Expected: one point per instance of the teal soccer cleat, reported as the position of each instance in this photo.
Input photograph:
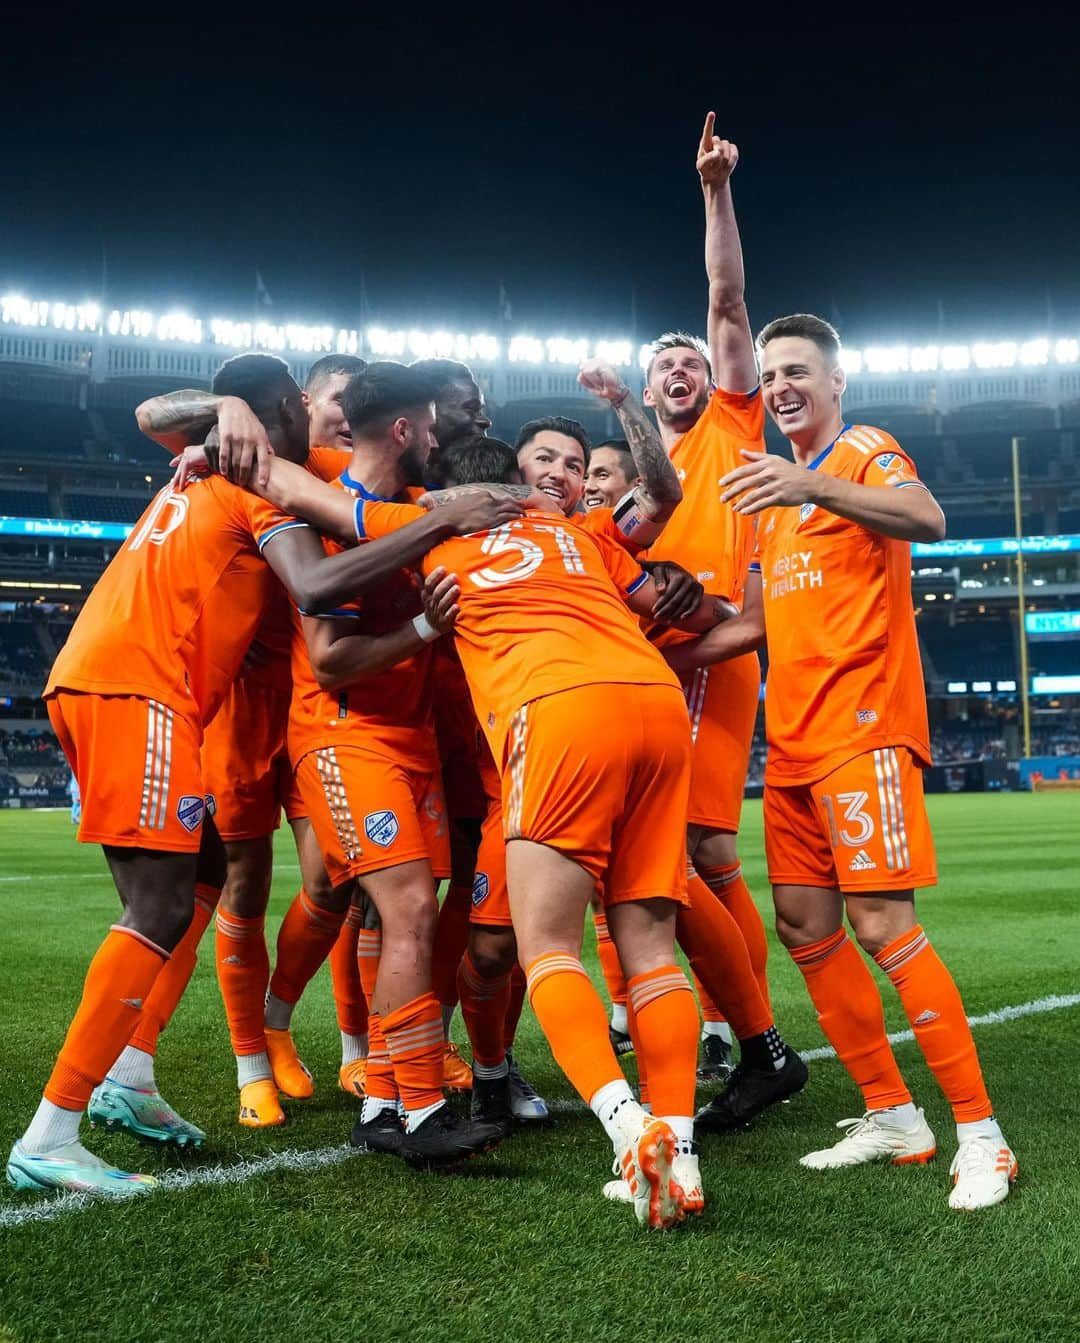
(146, 1114)
(73, 1170)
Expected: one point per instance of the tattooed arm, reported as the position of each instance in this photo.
(178, 419)
(657, 492)
(527, 495)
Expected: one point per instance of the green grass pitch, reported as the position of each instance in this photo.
(521, 1245)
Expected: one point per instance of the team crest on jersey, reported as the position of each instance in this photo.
(480, 888)
(190, 811)
(864, 716)
(381, 827)
(805, 511)
(885, 460)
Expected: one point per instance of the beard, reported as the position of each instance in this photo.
(685, 419)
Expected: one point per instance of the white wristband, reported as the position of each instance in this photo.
(426, 630)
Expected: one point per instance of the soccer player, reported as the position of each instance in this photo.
(708, 407)
(610, 475)
(547, 643)
(845, 822)
(145, 667)
(361, 737)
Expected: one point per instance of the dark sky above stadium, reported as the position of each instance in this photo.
(906, 177)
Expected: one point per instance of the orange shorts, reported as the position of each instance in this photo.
(244, 762)
(137, 766)
(490, 897)
(371, 811)
(602, 773)
(862, 828)
(722, 701)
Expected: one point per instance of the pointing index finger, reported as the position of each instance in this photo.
(707, 133)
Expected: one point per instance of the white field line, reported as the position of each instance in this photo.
(293, 1159)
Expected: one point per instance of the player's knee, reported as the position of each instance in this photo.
(334, 899)
(163, 917)
(493, 953)
(413, 912)
(795, 932)
(246, 894)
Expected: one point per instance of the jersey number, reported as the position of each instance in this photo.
(503, 541)
(854, 811)
(168, 512)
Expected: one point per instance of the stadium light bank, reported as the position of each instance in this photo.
(138, 324)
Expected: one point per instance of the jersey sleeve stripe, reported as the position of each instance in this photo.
(275, 531)
(636, 583)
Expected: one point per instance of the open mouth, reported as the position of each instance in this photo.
(787, 409)
(678, 387)
(555, 492)
(593, 500)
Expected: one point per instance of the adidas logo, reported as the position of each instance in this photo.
(136, 1003)
(862, 862)
(925, 1018)
(233, 960)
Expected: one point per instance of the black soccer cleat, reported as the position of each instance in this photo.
(382, 1134)
(447, 1139)
(491, 1103)
(750, 1091)
(621, 1043)
(717, 1061)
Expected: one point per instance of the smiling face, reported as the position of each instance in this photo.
(678, 387)
(555, 464)
(801, 387)
(460, 412)
(606, 481)
(329, 427)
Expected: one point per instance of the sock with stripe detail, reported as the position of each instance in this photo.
(162, 1000)
(849, 1012)
(719, 958)
(349, 1001)
(414, 1037)
(483, 1009)
(307, 935)
(610, 964)
(667, 1028)
(368, 951)
(933, 1005)
(572, 1017)
(118, 982)
(379, 1083)
(730, 888)
(243, 971)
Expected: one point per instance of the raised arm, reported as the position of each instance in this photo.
(178, 419)
(731, 345)
(657, 492)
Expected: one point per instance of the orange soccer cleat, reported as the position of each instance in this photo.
(260, 1106)
(351, 1077)
(291, 1077)
(457, 1075)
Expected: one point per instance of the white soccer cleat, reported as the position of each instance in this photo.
(983, 1169)
(646, 1166)
(687, 1175)
(875, 1138)
(617, 1190)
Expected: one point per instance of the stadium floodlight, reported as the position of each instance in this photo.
(851, 361)
(955, 358)
(1006, 685)
(1067, 351)
(526, 350)
(617, 352)
(179, 326)
(348, 341)
(386, 344)
(21, 311)
(886, 358)
(981, 687)
(925, 358)
(957, 687)
(563, 351)
(994, 354)
(1034, 353)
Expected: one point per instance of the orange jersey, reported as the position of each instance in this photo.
(705, 536)
(390, 710)
(845, 675)
(541, 611)
(151, 626)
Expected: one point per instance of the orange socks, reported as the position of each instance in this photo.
(352, 1012)
(666, 1023)
(719, 958)
(414, 1037)
(483, 1009)
(169, 986)
(368, 951)
(451, 939)
(515, 1004)
(933, 1006)
(849, 1012)
(118, 982)
(379, 1081)
(243, 969)
(609, 960)
(727, 884)
(709, 1009)
(304, 942)
(572, 1017)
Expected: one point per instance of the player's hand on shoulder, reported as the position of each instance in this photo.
(191, 464)
(440, 595)
(245, 447)
(766, 481)
(603, 381)
(679, 592)
(716, 158)
(474, 508)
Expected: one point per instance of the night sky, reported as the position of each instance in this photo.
(905, 178)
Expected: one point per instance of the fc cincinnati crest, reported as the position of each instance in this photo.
(805, 511)
(381, 827)
(480, 888)
(189, 811)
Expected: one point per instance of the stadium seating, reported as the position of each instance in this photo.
(24, 503)
(34, 430)
(103, 507)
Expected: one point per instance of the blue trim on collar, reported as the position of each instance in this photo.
(825, 451)
(363, 491)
